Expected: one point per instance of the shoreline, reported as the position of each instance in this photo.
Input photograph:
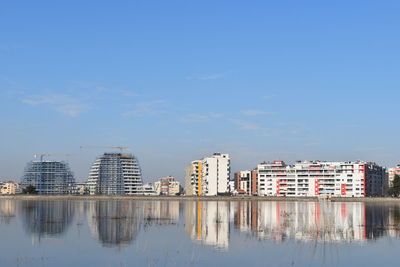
(195, 198)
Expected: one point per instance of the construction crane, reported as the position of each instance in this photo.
(41, 156)
(121, 148)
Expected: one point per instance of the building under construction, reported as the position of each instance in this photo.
(49, 177)
(115, 174)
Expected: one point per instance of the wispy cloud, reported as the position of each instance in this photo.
(206, 77)
(98, 89)
(62, 103)
(253, 112)
(154, 107)
(245, 125)
(201, 117)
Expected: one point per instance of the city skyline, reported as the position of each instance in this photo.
(179, 81)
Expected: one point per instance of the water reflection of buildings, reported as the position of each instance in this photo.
(114, 223)
(161, 212)
(47, 218)
(7, 210)
(307, 221)
(117, 222)
(208, 222)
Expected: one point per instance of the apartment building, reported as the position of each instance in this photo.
(246, 182)
(10, 188)
(49, 177)
(167, 186)
(209, 176)
(315, 178)
(148, 190)
(392, 174)
(115, 174)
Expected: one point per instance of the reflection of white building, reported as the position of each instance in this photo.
(208, 222)
(7, 210)
(114, 223)
(306, 221)
(162, 212)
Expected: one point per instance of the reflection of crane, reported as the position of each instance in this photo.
(121, 148)
(41, 156)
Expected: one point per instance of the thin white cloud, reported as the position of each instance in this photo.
(62, 103)
(201, 117)
(206, 77)
(103, 89)
(253, 112)
(155, 107)
(245, 125)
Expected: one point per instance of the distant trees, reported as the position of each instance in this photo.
(29, 190)
(394, 190)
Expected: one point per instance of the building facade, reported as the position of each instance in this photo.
(167, 186)
(10, 188)
(246, 182)
(148, 190)
(49, 177)
(81, 188)
(392, 174)
(209, 176)
(115, 174)
(315, 178)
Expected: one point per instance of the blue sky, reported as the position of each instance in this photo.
(178, 80)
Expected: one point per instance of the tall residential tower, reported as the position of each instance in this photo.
(115, 174)
(209, 176)
(49, 177)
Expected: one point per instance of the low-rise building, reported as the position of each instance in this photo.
(392, 174)
(246, 182)
(167, 186)
(315, 178)
(81, 188)
(148, 190)
(10, 188)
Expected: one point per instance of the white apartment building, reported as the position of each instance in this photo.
(148, 190)
(209, 176)
(315, 178)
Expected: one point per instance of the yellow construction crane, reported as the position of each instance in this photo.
(41, 156)
(121, 148)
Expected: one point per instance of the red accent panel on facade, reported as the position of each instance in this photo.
(316, 187)
(343, 189)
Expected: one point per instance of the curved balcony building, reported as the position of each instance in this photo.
(115, 174)
(49, 177)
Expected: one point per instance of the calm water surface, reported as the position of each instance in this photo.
(198, 233)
